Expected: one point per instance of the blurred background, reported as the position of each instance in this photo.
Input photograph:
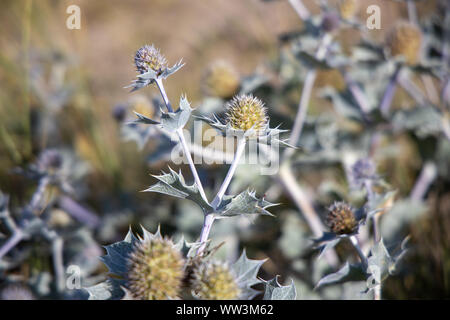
(63, 89)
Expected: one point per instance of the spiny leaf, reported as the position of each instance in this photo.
(244, 203)
(349, 272)
(275, 291)
(246, 271)
(117, 254)
(144, 119)
(107, 290)
(173, 184)
(173, 121)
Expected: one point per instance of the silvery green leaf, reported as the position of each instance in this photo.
(343, 102)
(349, 272)
(246, 271)
(378, 202)
(244, 203)
(380, 263)
(423, 121)
(169, 71)
(173, 184)
(107, 290)
(144, 119)
(275, 291)
(117, 254)
(172, 121)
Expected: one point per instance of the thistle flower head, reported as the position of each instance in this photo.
(246, 112)
(119, 112)
(405, 39)
(149, 58)
(221, 80)
(364, 169)
(214, 280)
(50, 160)
(348, 8)
(341, 219)
(330, 22)
(155, 270)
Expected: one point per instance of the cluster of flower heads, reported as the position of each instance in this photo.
(155, 268)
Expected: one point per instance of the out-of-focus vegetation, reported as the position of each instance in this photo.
(63, 89)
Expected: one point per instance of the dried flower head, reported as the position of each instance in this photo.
(246, 112)
(214, 280)
(221, 80)
(330, 22)
(362, 170)
(155, 270)
(341, 218)
(348, 8)
(149, 58)
(405, 39)
(50, 160)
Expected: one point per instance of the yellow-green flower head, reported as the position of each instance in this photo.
(214, 280)
(156, 270)
(405, 39)
(348, 8)
(246, 112)
(341, 219)
(149, 58)
(221, 80)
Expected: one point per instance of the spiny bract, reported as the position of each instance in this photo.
(405, 39)
(246, 112)
(221, 80)
(149, 58)
(341, 219)
(214, 280)
(155, 270)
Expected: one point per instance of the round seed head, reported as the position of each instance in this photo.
(155, 271)
(214, 280)
(149, 58)
(341, 219)
(221, 80)
(348, 8)
(405, 39)
(364, 169)
(245, 112)
(330, 22)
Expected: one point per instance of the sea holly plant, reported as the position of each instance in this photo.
(154, 268)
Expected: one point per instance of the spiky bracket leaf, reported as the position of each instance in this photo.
(116, 261)
(244, 203)
(170, 121)
(349, 272)
(147, 78)
(275, 291)
(246, 271)
(173, 121)
(173, 184)
(267, 135)
(110, 289)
